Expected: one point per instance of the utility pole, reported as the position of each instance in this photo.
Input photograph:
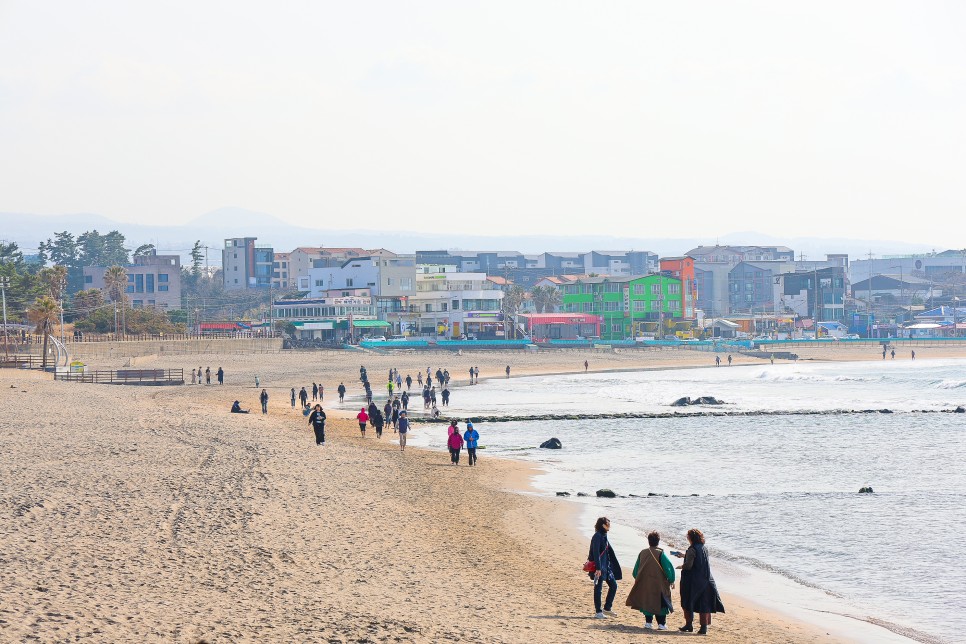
(63, 287)
(869, 309)
(4, 283)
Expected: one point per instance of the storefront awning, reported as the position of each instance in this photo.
(369, 324)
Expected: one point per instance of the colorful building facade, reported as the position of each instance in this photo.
(626, 305)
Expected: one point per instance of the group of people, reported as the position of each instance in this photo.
(198, 376)
(717, 360)
(653, 580)
(456, 441)
(375, 417)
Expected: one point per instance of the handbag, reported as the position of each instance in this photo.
(590, 566)
(666, 604)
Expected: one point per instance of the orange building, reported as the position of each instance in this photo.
(683, 269)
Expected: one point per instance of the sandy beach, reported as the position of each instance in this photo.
(152, 514)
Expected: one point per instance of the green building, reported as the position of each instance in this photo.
(628, 306)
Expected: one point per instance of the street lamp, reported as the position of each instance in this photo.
(4, 283)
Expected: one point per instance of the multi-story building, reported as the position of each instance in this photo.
(281, 266)
(682, 268)
(798, 293)
(305, 258)
(627, 306)
(937, 267)
(335, 316)
(391, 279)
(758, 287)
(246, 265)
(712, 265)
(152, 281)
(451, 303)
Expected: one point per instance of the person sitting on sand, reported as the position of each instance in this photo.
(434, 412)
(236, 408)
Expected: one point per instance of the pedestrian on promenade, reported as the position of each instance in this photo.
(363, 418)
(653, 581)
(341, 391)
(317, 421)
(606, 568)
(221, 376)
(403, 430)
(455, 443)
(263, 398)
(699, 593)
(471, 436)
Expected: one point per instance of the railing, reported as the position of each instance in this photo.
(125, 376)
(25, 361)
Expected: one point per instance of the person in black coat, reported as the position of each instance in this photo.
(699, 593)
(317, 421)
(607, 568)
(341, 391)
(377, 421)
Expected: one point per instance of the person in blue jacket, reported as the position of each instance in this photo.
(471, 436)
(607, 568)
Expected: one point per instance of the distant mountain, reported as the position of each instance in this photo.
(214, 227)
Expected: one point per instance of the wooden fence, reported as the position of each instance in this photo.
(125, 376)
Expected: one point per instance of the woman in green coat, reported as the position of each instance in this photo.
(653, 581)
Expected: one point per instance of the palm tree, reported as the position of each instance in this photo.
(115, 283)
(54, 279)
(545, 298)
(42, 313)
(513, 299)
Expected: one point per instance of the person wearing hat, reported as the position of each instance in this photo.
(471, 436)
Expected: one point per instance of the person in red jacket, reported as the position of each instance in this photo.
(455, 444)
(363, 418)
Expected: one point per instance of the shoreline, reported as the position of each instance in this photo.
(167, 518)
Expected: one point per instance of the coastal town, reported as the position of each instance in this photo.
(326, 295)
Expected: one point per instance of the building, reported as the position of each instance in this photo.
(333, 317)
(305, 258)
(798, 292)
(281, 277)
(451, 303)
(935, 267)
(893, 289)
(246, 265)
(560, 326)
(713, 264)
(627, 306)
(390, 278)
(152, 281)
(682, 268)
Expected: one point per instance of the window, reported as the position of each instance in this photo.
(611, 306)
(456, 305)
(674, 289)
(655, 289)
(88, 279)
(162, 287)
(640, 305)
(429, 308)
(639, 289)
(443, 306)
(149, 282)
(318, 282)
(617, 328)
(137, 304)
(162, 277)
(675, 305)
(388, 281)
(348, 282)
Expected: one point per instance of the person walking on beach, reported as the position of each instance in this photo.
(263, 398)
(455, 444)
(293, 397)
(389, 387)
(405, 400)
(508, 371)
(470, 437)
(419, 378)
(304, 397)
(699, 593)
(317, 421)
(729, 359)
(893, 354)
(377, 422)
(387, 411)
(445, 394)
(883, 353)
(398, 381)
(773, 358)
(321, 392)
(653, 581)
(586, 366)
(194, 376)
(717, 361)
(409, 382)
(395, 415)
(200, 375)
(403, 430)
(315, 392)
(913, 354)
(432, 396)
(606, 568)
(207, 375)
(341, 391)
(363, 418)
(221, 376)
(257, 383)
(471, 375)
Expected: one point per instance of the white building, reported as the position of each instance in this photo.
(332, 317)
(451, 303)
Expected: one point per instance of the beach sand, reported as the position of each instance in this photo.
(152, 514)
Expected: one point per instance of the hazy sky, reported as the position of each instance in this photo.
(645, 118)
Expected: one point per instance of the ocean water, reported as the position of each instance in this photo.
(777, 493)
